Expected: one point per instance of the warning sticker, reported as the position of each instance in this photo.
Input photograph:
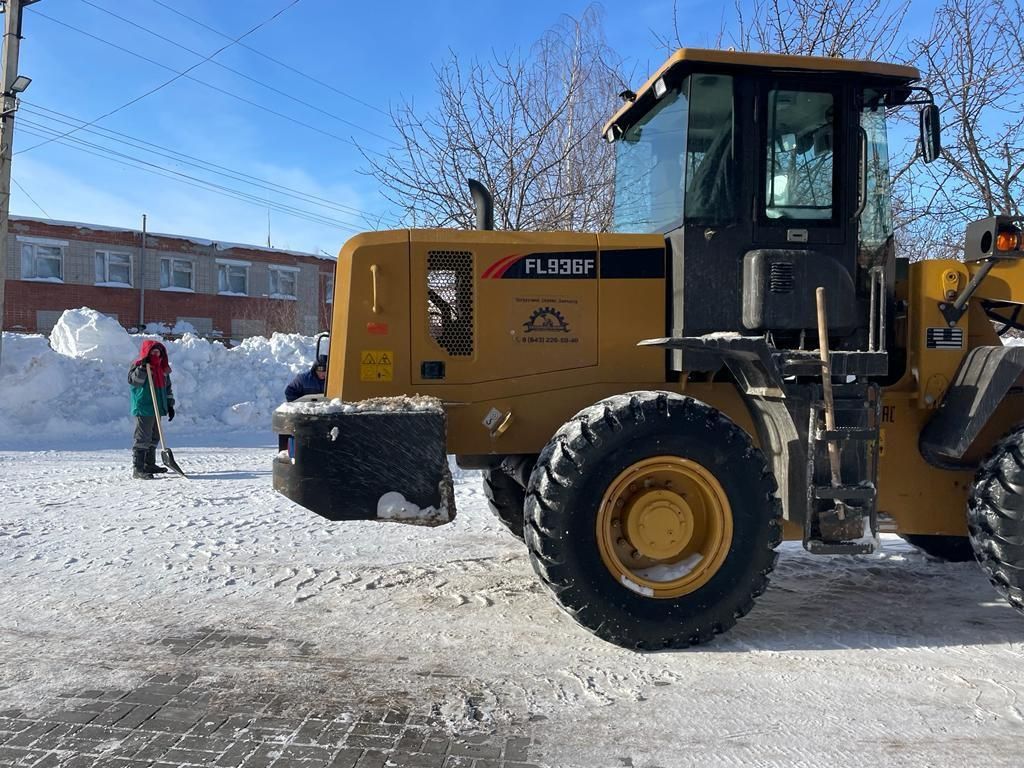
(376, 365)
(944, 338)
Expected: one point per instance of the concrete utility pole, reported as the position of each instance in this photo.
(142, 277)
(13, 84)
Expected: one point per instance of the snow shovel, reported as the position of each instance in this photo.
(165, 453)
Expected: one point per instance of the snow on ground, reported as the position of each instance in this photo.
(892, 658)
(873, 660)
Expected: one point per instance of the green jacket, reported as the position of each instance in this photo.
(142, 400)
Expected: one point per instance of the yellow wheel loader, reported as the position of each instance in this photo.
(744, 359)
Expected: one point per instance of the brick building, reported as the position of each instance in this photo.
(222, 289)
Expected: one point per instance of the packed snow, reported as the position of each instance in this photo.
(892, 658)
(314, 406)
(75, 383)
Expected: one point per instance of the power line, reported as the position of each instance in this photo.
(196, 162)
(258, 82)
(272, 59)
(177, 76)
(25, 192)
(194, 180)
(212, 87)
(131, 162)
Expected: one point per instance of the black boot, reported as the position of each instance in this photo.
(151, 466)
(139, 465)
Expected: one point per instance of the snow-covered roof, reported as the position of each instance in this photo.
(202, 241)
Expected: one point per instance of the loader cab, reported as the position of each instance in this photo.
(768, 176)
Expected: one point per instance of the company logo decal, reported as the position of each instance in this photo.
(546, 325)
(547, 320)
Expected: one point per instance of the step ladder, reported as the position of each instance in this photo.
(843, 519)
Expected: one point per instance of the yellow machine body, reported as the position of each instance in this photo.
(653, 412)
(535, 380)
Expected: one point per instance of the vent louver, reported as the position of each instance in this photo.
(780, 277)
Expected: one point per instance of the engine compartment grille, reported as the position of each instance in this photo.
(450, 301)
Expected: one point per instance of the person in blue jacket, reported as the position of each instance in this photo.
(309, 382)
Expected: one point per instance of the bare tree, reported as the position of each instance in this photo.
(527, 126)
(973, 62)
(859, 29)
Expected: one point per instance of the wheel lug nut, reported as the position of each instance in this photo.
(620, 541)
(635, 555)
(616, 523)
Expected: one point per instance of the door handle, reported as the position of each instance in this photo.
(373, 277)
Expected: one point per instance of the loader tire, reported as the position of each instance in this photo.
(995, 517)
(653, 520)
(952, 549)
(505, 498)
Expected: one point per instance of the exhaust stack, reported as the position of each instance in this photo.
(483, 203)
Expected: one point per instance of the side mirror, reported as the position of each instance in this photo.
(931, 141)
(323, 345)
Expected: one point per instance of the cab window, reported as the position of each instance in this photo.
(800, 173)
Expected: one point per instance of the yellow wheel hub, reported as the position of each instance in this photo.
(664, 527)
(659, 523)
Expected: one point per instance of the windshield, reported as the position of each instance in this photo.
(677, 162)
(649, 169)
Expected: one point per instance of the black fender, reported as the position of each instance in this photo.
(981, 382)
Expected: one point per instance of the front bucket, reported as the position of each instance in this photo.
(381, 459)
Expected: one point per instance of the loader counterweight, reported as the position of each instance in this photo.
(380, 460)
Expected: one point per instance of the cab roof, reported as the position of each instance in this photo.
(775, 62)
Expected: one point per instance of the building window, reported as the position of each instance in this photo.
(282, 282)
(233, 279)
(42, 262)
(329, 289)
(176, 274)
(113, 267)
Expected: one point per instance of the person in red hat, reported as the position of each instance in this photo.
(146, 435)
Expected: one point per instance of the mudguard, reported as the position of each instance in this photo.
(381, 459)
(982, 381)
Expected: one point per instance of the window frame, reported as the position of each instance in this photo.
(35, 246)
(328, 289)
(170, 274)
(225, 267)
(106, 253)
(277, 270)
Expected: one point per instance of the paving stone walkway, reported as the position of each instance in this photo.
(199, 720)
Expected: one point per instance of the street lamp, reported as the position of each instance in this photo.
(21, 82)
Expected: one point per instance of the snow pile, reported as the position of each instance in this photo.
(79, 387)
(87, 334)
(180, 328)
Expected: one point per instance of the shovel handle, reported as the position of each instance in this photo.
(156, 407)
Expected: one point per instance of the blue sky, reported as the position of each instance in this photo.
(367, 56)
(376, 53)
